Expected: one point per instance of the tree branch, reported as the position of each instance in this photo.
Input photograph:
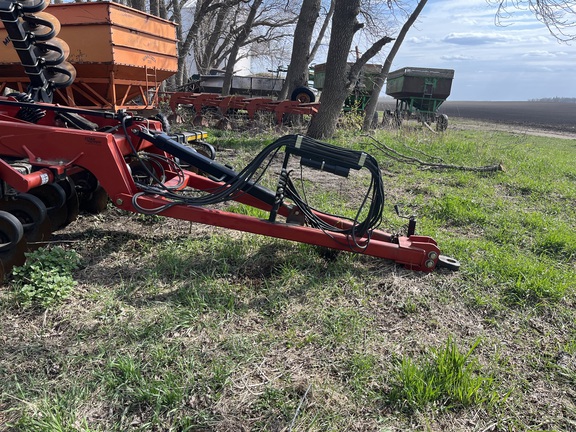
(399, 157)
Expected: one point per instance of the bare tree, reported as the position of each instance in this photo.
(370, 109)
(302, 52)
(138, 4)
(202, 10)
(239, 41)
(162, 9)
(213, 39)
(322, 31)
(266, 16)
(272, 54)
(558, 15)
(155, 7)
(340, 76)
(182, 45)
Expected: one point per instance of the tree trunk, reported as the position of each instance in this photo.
(205, 59)
(238, 43)
(155, 7)
(177, 17)
(229, 71)
(322, 32)
(344, 26)
(163, 11)
(297, 74)
(379, 80)
(139, 4)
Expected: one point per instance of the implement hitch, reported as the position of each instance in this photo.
(141, 169)
(55, 160)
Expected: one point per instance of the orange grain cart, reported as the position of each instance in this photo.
(121, 56)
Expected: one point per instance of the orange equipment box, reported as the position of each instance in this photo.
(121, 56)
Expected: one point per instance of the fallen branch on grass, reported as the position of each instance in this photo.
(399, 157)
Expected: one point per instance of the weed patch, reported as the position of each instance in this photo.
(45, 279)
(445, 379)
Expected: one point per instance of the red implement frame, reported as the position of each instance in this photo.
(55, 152)
(250, 105)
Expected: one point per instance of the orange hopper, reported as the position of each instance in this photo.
(121, 56)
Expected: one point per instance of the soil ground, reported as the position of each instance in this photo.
(533, 118)
(105, 240)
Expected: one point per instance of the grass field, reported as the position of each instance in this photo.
(179, 327)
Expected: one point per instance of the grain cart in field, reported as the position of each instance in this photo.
(360, 95)
(419, 92)
(54, 159)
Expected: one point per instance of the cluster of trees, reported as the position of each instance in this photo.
(555, 99)
(217, 33)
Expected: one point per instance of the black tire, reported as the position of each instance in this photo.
(72, 202)
(97, 202)
(13, 244)
(11, 231)
(54, 198)
(442, 123)
(32, 214)
(303, 95)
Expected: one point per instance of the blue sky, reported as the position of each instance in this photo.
(519, 61)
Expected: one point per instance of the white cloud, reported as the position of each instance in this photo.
(467, 21)
(477, 38)
(515, 61)
(542, 40)
(419, 39)
(539, 53)
(456, 57)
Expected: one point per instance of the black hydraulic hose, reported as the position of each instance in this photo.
(235, 183)
(343, 158)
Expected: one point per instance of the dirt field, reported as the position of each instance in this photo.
(554, 118)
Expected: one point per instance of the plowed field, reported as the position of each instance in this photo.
(555, 116)
(550, 116)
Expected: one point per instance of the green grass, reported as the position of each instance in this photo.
(175, 329)
(446, 378)
(45, 279)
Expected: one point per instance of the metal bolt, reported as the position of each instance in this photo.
(429, 263)
(432, 255)
(119, 201)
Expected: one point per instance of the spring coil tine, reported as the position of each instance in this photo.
(61, 76)
(43, 56)
(33, 6)
(42, 26)
(53, 52)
